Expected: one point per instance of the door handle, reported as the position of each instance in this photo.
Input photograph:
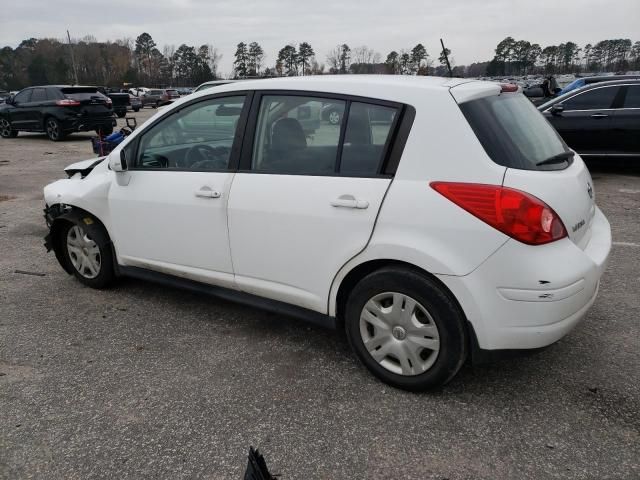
(599, 115)
(349, 201)
(207, 192)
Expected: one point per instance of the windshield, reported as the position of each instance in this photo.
(513, 133)
(577, 83)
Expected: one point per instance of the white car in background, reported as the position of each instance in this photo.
(441, 219)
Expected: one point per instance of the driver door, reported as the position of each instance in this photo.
(169, 210)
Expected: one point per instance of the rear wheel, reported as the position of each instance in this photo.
(121, 114)
(53, 129)
(136, 109)
(406, 329)
(5, 129)
(89, 255)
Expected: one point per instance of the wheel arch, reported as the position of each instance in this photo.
(357, 272)
(69, 214)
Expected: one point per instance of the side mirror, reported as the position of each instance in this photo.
(557, 109)
(118, 163)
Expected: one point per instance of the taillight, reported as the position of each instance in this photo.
(68, 102)
(109, 102)
(508, 87)
(515, 213)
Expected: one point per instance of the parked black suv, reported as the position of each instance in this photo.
(57, 110)
(600, 119)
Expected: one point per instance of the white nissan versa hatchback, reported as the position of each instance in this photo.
(441, 219)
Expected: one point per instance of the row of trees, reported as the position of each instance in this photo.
(87, 61)
(520, 57)
(141, 62)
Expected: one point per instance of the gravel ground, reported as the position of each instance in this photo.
(142, 381)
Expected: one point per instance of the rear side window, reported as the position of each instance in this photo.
(367, 133)
(292, 138)
(513, 133)
(632, 99)
(596, 99)
(39, 95)
(173, 92)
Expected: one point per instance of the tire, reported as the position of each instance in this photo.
(91, 263)
(334, 117)
(156, 105)
(53, 128)
(419, 350)
(5, 129)
(121, 114)
(136, 109)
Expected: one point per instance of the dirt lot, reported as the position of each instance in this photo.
(141, 381)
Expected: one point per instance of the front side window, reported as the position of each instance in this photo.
(198, 137)
(292, 138)
(23, 96)
(632, 99)
(596, 99)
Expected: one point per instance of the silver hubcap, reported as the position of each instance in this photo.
(52, 129)
(83, 252)
(5, 128)
(399, 333)
(334, 117)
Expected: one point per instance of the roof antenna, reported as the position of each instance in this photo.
(73, 60)
(446, 57)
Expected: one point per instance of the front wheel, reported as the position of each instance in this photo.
(88, 254)
(54, 129)
(406, 329)
(5, 129)
(334, 117)
(136, 109)
(121, 114)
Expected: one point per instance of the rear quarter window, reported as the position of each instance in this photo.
(513, 133)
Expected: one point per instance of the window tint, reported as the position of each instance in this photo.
(596, 99)
(292, 138)
(23, 96)
(368, 128)
(38, 95)
(53, 94)
(513, 133)
(632, 100)
(198, 137)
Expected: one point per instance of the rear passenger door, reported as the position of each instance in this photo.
(35, 107)
(585, 123)
(626, 123)
(307, 194)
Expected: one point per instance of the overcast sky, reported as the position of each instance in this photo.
(470, 28)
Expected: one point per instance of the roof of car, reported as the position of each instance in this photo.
(605, 78)
(388, 87)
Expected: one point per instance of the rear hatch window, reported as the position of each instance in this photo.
(173, 93)
(91, 100)
(514, 133)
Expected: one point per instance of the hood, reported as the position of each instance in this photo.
(84, 167)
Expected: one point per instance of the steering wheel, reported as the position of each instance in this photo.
(205, 155)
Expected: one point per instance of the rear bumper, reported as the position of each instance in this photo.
(86, 124)
(525, 297)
